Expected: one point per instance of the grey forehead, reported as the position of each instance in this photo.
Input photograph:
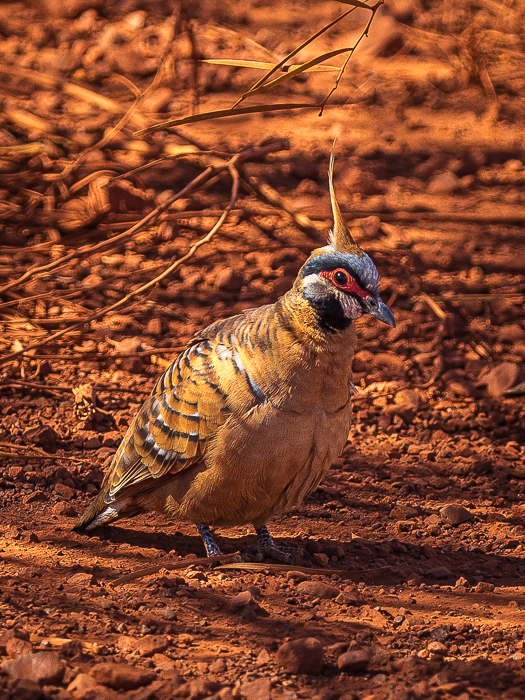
(360, 267)
(366, 272)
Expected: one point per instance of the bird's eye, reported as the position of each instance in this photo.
(341, 277)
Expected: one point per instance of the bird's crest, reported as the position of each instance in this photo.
(339, 237)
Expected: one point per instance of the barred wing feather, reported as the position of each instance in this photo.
(170, 431)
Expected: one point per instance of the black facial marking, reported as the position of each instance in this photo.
(329, 311)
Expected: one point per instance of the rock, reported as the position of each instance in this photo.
(403, 512)
(65, 491)
(412, 398)
(263, 658)
(44, 667)
(444, 183)
(16, 646)
(122, 676)
(511, 333)
(484, 587)
(111, 439)
(65, 510)
(82, 579)
(257, 690)
(454, 514)
(350, 596)
(462, 387)
(42, 435)
(126, 644)
(439, 572)
(501, 378)
(35, 497)
(245, 604)
(220, 666)
(71, 648)
(164, 663)
(202, 688)
(359, 180)
(320, 559)
(437, 648)
(155, 326)
(318, 589)
(148, 625)
(296, 576)
(303, 655)
(27, 690)
(129, 345)
(5, 637)
(16, 473)
(354, 660)
(244, 601)
(148, 646)
(439, 634)
(390, 362)
(169, 614)
(84, 687)
(228, 279)
(373, 617)
(428, 551)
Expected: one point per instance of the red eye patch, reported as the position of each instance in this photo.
(342, 280)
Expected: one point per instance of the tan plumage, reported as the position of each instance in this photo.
(248, 419)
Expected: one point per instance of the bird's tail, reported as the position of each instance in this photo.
(97, 514)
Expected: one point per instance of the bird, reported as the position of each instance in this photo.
(247, 420)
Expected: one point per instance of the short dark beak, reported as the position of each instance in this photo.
(378, 309)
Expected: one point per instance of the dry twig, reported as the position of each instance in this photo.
(231, 166)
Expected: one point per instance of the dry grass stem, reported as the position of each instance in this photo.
(231, 167)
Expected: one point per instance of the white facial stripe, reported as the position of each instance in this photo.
(314, 278)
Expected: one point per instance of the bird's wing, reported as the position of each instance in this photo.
(170, 431)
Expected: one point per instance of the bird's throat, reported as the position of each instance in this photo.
(329, 312)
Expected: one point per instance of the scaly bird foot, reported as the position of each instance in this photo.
(267, 549)
(212, 548)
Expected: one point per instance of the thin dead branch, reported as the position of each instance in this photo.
(220, 114)
(363, 34)
(231, 166)
(85, 251)
(232, 562)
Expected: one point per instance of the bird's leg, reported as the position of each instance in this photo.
(212, 548)
(266, 548)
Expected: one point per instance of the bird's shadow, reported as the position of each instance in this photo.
(368, 564)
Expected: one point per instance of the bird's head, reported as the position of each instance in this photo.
(339, 281)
